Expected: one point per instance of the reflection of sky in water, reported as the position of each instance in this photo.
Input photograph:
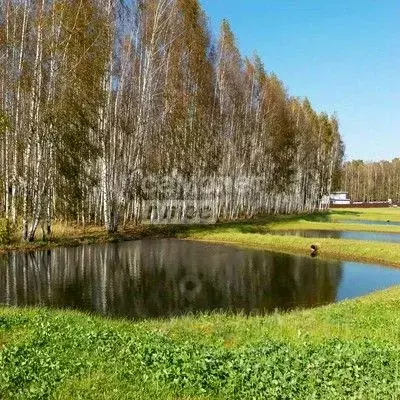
(358, 279)
(369, 222)
(373, 236)
(355, 235)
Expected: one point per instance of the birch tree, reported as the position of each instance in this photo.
(108, 106)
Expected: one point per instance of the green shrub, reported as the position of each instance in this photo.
(6, 231)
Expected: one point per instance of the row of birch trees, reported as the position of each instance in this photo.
(372, 181)
(113, 112)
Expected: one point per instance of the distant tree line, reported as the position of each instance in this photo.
(100, 100)
(372, 181)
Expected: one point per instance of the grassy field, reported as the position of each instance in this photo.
(342, 351)
(372, 214)
(334, 220)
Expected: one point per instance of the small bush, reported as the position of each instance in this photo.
(6, 231)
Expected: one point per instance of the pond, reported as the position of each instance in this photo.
(168, 277)
(369, 222)
(356, 235)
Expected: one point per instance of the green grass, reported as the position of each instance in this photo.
(302, 224)
(346, 350)
(341, 249)
(333, 220)
(260, 234)
(372, 214)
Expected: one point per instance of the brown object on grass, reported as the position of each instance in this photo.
(314, 250)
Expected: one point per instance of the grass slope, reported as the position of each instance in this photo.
(346, 350)
(260, 234)
(341, 249)
(334, 220)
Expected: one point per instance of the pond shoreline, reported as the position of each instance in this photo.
(257, 233)
(332, 249)
(95, 235)
(161, 278)
(324, 251)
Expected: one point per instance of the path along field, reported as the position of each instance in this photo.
(342, 351)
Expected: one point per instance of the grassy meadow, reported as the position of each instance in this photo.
(348, 350)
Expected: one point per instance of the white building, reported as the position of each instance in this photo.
(339, 198)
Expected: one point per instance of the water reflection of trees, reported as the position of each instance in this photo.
(165, 277)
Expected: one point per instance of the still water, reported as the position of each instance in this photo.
(168, 277)
(356, 235)
(369, 222)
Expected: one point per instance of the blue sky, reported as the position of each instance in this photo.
(344, 55)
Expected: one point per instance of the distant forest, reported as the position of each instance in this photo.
(372, 181)
(108, 105)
